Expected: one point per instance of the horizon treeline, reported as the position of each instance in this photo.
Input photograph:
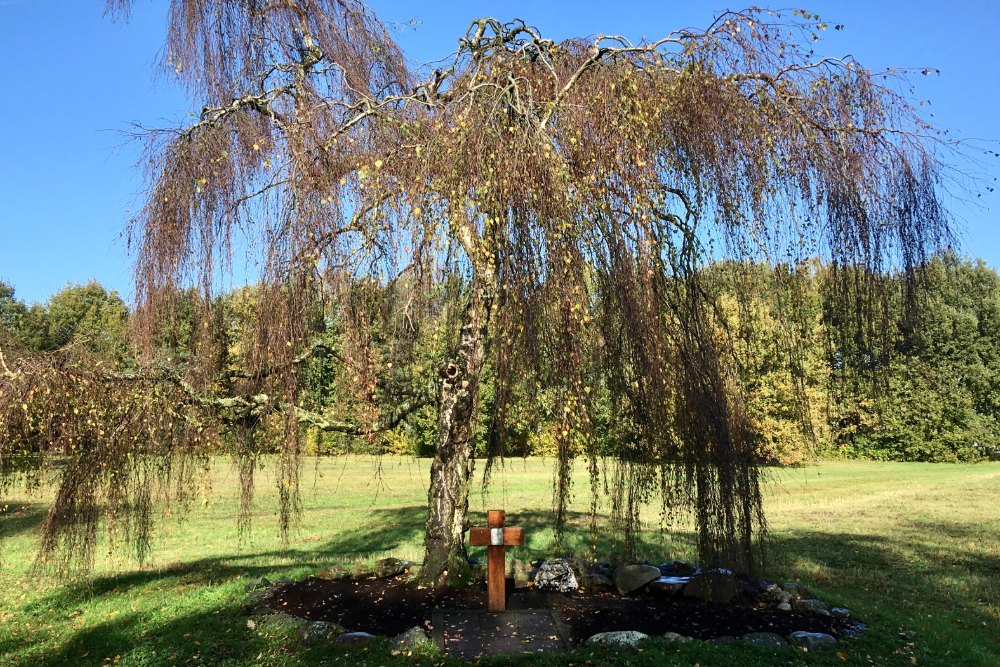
(928, 391)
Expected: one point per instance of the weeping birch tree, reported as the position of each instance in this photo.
(578, 190)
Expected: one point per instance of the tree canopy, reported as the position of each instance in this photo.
(575, 192)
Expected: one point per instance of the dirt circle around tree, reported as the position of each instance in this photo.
(389, 607)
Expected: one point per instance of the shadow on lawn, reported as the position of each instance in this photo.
(210, 636)
(869, 572)
(389, 530)
(17, 517)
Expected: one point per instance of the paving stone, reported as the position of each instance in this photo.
(811, 639)
(469, 634)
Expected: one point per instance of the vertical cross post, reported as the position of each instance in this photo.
(496, 537)
(496, 561)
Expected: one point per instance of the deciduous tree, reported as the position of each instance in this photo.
(551, 177)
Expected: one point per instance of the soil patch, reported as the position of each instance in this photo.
(391, 606)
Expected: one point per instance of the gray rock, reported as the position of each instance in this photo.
(523, 573)
(810, 639)
(284, 581)
(716, 586)
(724, 639)
(281, 621)
(556, 575)
(361, 571)
(257, 584)
(354, 638)
(764, 639)
(811, 606)
(675, 637)
(581, 566)
(319, 631)
(668, 586)
(619, 638)
(774, 594)
(414, 638)
(784, 606)
(389, 567)
(596, 583)
(334, 573)
(840, 612)
(603, 568)
(678, 568)
(261, 596)
(797, 590)
(630, 578)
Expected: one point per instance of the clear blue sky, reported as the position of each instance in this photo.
(72, 81)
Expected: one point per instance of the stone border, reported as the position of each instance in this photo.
(718, 586)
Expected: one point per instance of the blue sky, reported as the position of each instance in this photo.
(73, 82)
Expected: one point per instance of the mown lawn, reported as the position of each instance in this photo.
(912, 549)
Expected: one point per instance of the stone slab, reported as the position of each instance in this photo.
(468, 634)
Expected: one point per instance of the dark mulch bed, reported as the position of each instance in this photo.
(391, 606)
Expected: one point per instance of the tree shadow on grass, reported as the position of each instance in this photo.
(925, 601)
(389, 529)
(212, 636)
(18, 517)
(891, 582)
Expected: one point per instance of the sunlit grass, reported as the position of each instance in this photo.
(912, 549)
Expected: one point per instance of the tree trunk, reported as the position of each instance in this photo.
(445, 557)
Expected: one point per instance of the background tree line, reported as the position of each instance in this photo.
(936, 396)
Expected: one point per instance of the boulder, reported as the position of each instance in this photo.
(784, 606)
(389, 567)
(797, 590)
(261, 596)
(413, 639)
(619, 638)
(764, 639)
(630, 578)
(522, 572)
(319, 631)
(596, 583)
(668, 586)
(334, 573)
(716, 586)
(840, 612)
(678, 568)
(774, 594)
(581, 566)
(811, 606)
(354, 638)
(810, 639)
(257, 584)
(675, 637)
(603, 568)
(556, 575)
(281, 621)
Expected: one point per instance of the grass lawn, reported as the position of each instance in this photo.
(912, 549)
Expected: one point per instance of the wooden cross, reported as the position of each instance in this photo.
(497, 536)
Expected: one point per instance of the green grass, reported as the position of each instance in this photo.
(912, 549)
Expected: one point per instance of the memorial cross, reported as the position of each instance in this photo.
(497, 537)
